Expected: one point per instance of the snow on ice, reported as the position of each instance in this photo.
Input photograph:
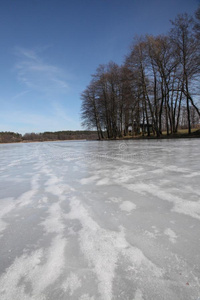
(100, 220)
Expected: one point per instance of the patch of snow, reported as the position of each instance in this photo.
(71, 284)
(189, 208)
(54, 222)
(127, 206)
(103, 247)
(6, 205)
(171, 234)
(86, 297)
(138, 295)
(89, 180)
(104, 181)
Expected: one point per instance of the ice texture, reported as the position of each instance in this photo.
(100, 220)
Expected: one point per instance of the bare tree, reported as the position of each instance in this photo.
(158, 77)
(187, 51)
(90, 113)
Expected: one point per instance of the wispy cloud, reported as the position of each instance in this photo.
(60, 113)
(19, 95)
(35, 73)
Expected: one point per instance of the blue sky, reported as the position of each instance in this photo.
(49, 49)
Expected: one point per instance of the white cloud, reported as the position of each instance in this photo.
(38, 75)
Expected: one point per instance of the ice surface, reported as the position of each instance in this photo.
(100, 220)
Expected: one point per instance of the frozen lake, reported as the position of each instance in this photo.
(100, 220)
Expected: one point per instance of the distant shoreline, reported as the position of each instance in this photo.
(48, 136)
(27, 142)
(162, 137)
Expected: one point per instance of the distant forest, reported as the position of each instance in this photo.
(12, 137)
(156, 89)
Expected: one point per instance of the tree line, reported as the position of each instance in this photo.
(156, 88)
(12, 137)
